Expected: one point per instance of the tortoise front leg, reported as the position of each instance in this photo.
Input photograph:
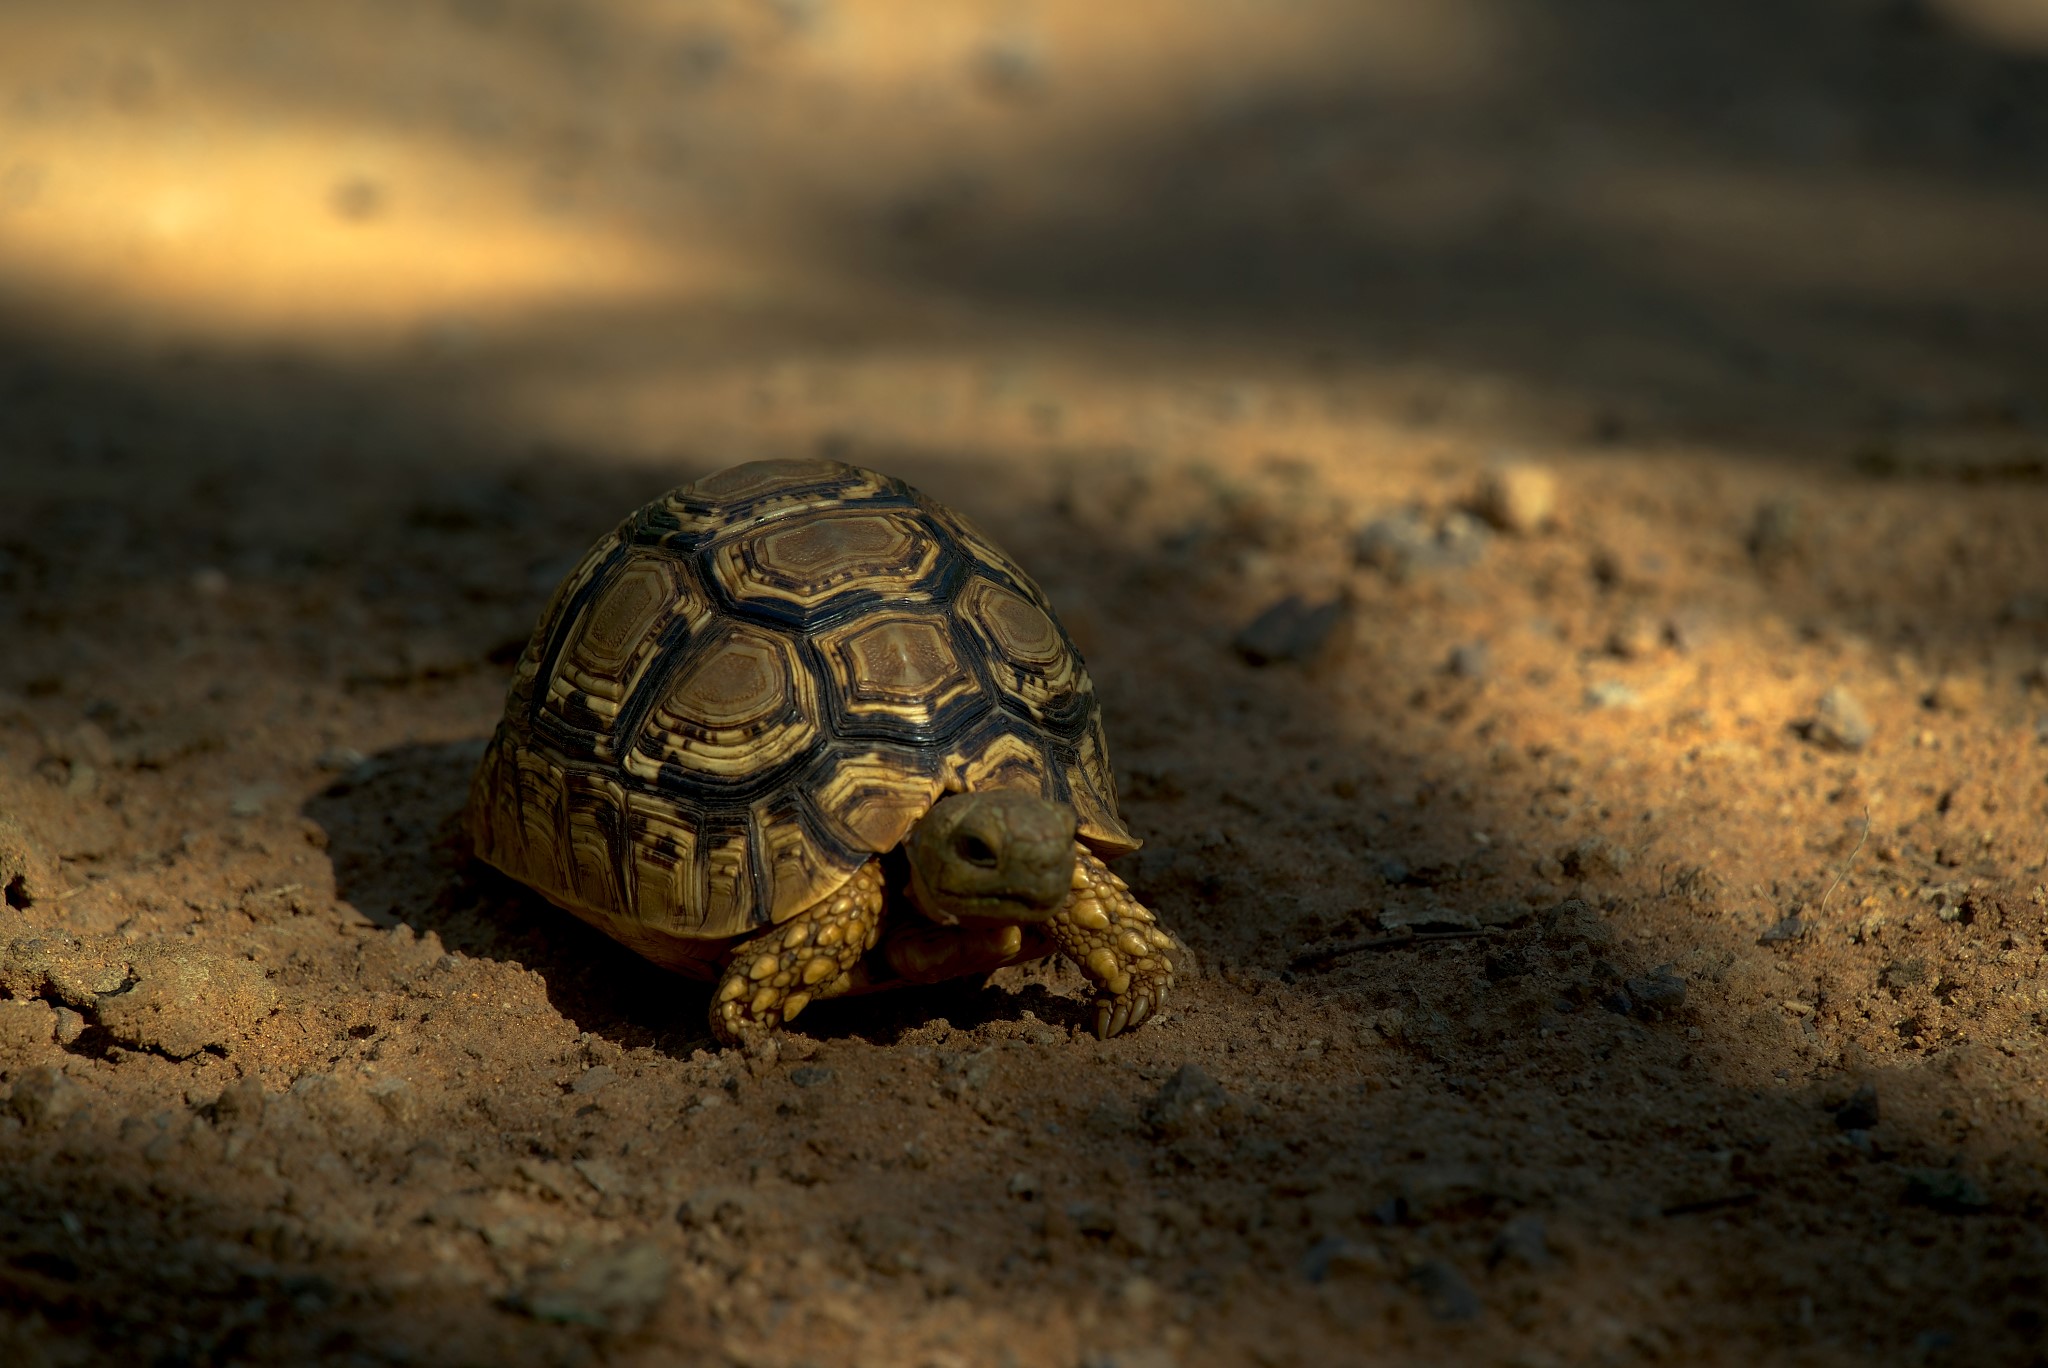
(1116, 942)
(781, 971)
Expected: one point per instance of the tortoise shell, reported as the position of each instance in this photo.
(759, 682)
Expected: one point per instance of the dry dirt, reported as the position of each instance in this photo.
(1622, 925)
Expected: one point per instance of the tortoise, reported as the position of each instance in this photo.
(801, 730)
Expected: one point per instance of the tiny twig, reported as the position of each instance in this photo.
(1694, 1208)
(1309, 959)
(1847, 865)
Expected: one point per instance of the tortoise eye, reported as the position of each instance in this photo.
(975, 851)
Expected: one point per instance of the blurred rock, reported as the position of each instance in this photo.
(2025, 610)
(28, 874)
(1655, 994)
(1294, 632)
(1958, 694)
(45, 1097)
(1839, 722)
(1517, 496)
(615, 1290)
(1444, 1291)
(1337, 1257)
(1777, 533)
(1860, 1112)
(1011, 67)
(1611, 693)
(1406, 543)
(1469, 661)
(25, 1025)
(1945, 1190)
(1522, 1242)
(1184, 1102)
(1634, 638)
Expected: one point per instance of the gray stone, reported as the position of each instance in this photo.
(1404, 543)
(1522, 1242)
(1517, 496)
(70, 1025)
(27, 872)
(1294, 631)
(1945, 1190)
(1788, 928)
(615, 1290)
(45, 1097)
(1611, 693)
(1337, 1257)
(1860, 1112)
(1184, 1102)
(1444, 1291)
(1469, 661)
(1839, 722)
(593, 1078)
(1655, 994)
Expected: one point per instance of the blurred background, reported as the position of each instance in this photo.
(734, 223)
(332, 332)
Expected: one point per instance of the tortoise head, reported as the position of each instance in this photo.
(1000, 856)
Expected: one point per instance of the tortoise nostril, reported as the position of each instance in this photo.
(975, 851)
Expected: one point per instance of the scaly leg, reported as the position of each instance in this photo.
(1116, 942)
(782, 970)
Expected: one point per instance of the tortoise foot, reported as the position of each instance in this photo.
(1117, 943)
(781, 971)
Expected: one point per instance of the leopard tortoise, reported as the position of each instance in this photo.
(800, 729)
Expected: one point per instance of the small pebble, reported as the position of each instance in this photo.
(1405, 542)
(1092, 1218)
(1945, 1190)
(1336, 1257)
(1655, 994)
(1634, 638)
(1611, 693)
(209, 583)
(70, 1025)
(1024, 1186)
(1839, 722)
(1011, 67)
(1524, 1242)
(2025, 610)
(1139, 1294)
(1517, 496)
(339, 759)
(593, 1078)
(1860, 1112)
(1444, 1291)
(1293, 631)
(1789, 928)
(45, 1097)
(1958, 694)
(1469, 661)
(810, 1075)
(1776, 532)
(1686, 629)
(1183, 1102)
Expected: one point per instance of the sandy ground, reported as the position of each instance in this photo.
(1621, 910)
